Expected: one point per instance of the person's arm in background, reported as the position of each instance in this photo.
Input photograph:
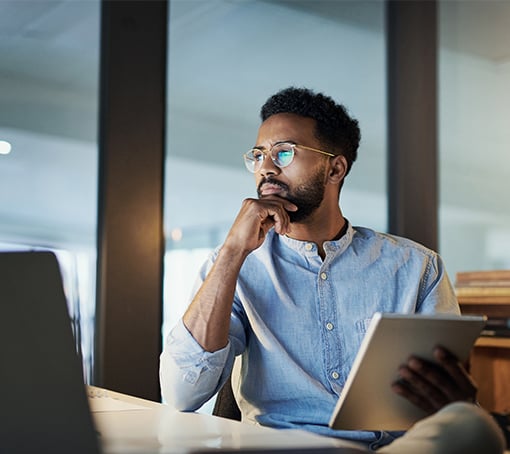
(459, 427)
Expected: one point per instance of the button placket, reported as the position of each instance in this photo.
(328, 322)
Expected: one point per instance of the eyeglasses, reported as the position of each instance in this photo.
(282, 155)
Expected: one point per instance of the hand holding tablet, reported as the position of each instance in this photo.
(368, 401)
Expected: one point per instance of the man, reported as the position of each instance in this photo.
(294, 285)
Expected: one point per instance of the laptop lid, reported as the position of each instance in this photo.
(43, 400)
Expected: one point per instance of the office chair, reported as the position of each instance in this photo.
(226, 405)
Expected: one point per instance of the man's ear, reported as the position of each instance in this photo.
(338, 169)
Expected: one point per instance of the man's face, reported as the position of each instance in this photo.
(303, 181)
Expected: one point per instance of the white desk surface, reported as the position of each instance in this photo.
(131, 425)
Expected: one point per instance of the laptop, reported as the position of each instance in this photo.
(42, 394)
(367, 401)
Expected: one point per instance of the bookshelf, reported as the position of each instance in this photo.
(488, 293)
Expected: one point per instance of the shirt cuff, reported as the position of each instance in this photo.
(189, 355)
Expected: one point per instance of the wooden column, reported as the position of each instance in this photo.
(130, 206)
(412, 120)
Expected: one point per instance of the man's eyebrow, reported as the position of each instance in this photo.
(278, 142)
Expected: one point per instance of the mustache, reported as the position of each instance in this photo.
(271, 181)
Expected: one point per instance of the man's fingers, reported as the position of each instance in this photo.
(425, 384)
(404, 389)
(432, 385)
(464, 383)
(276, 214)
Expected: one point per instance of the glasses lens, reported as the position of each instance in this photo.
(253, 159)
(283, 154)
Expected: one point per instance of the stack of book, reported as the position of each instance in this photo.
(486, 293)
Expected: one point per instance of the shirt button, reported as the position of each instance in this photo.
(324, 276)
(329, 326)
(308, 246)
(191, 377)
(335, 375)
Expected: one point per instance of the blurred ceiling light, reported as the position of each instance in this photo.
(176, 234)
(5, 147)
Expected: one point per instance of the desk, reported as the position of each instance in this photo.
(130, 425)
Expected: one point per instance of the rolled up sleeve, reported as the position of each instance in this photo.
(189, 375)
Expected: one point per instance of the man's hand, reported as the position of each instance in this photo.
(432, 386)
(255, 219)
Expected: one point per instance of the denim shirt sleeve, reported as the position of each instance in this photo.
(189, 375)
(436, 292)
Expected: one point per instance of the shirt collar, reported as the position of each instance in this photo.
(309, 248)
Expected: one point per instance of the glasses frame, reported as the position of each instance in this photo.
(248, 161)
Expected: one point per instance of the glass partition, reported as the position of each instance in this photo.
(48, 171)
(474, 107)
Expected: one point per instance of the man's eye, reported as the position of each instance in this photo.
(258, 155)
(285, 156)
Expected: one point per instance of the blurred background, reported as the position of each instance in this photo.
(225, 57)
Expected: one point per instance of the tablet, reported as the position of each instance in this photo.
(367, 401)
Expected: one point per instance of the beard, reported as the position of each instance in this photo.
(307, 196)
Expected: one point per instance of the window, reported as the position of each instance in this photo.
(48, 93)
(474, 106)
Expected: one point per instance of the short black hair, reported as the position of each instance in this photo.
(337, 131)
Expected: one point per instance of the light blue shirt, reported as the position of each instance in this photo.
(298, 322)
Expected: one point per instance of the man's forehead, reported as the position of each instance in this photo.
(285, 126)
